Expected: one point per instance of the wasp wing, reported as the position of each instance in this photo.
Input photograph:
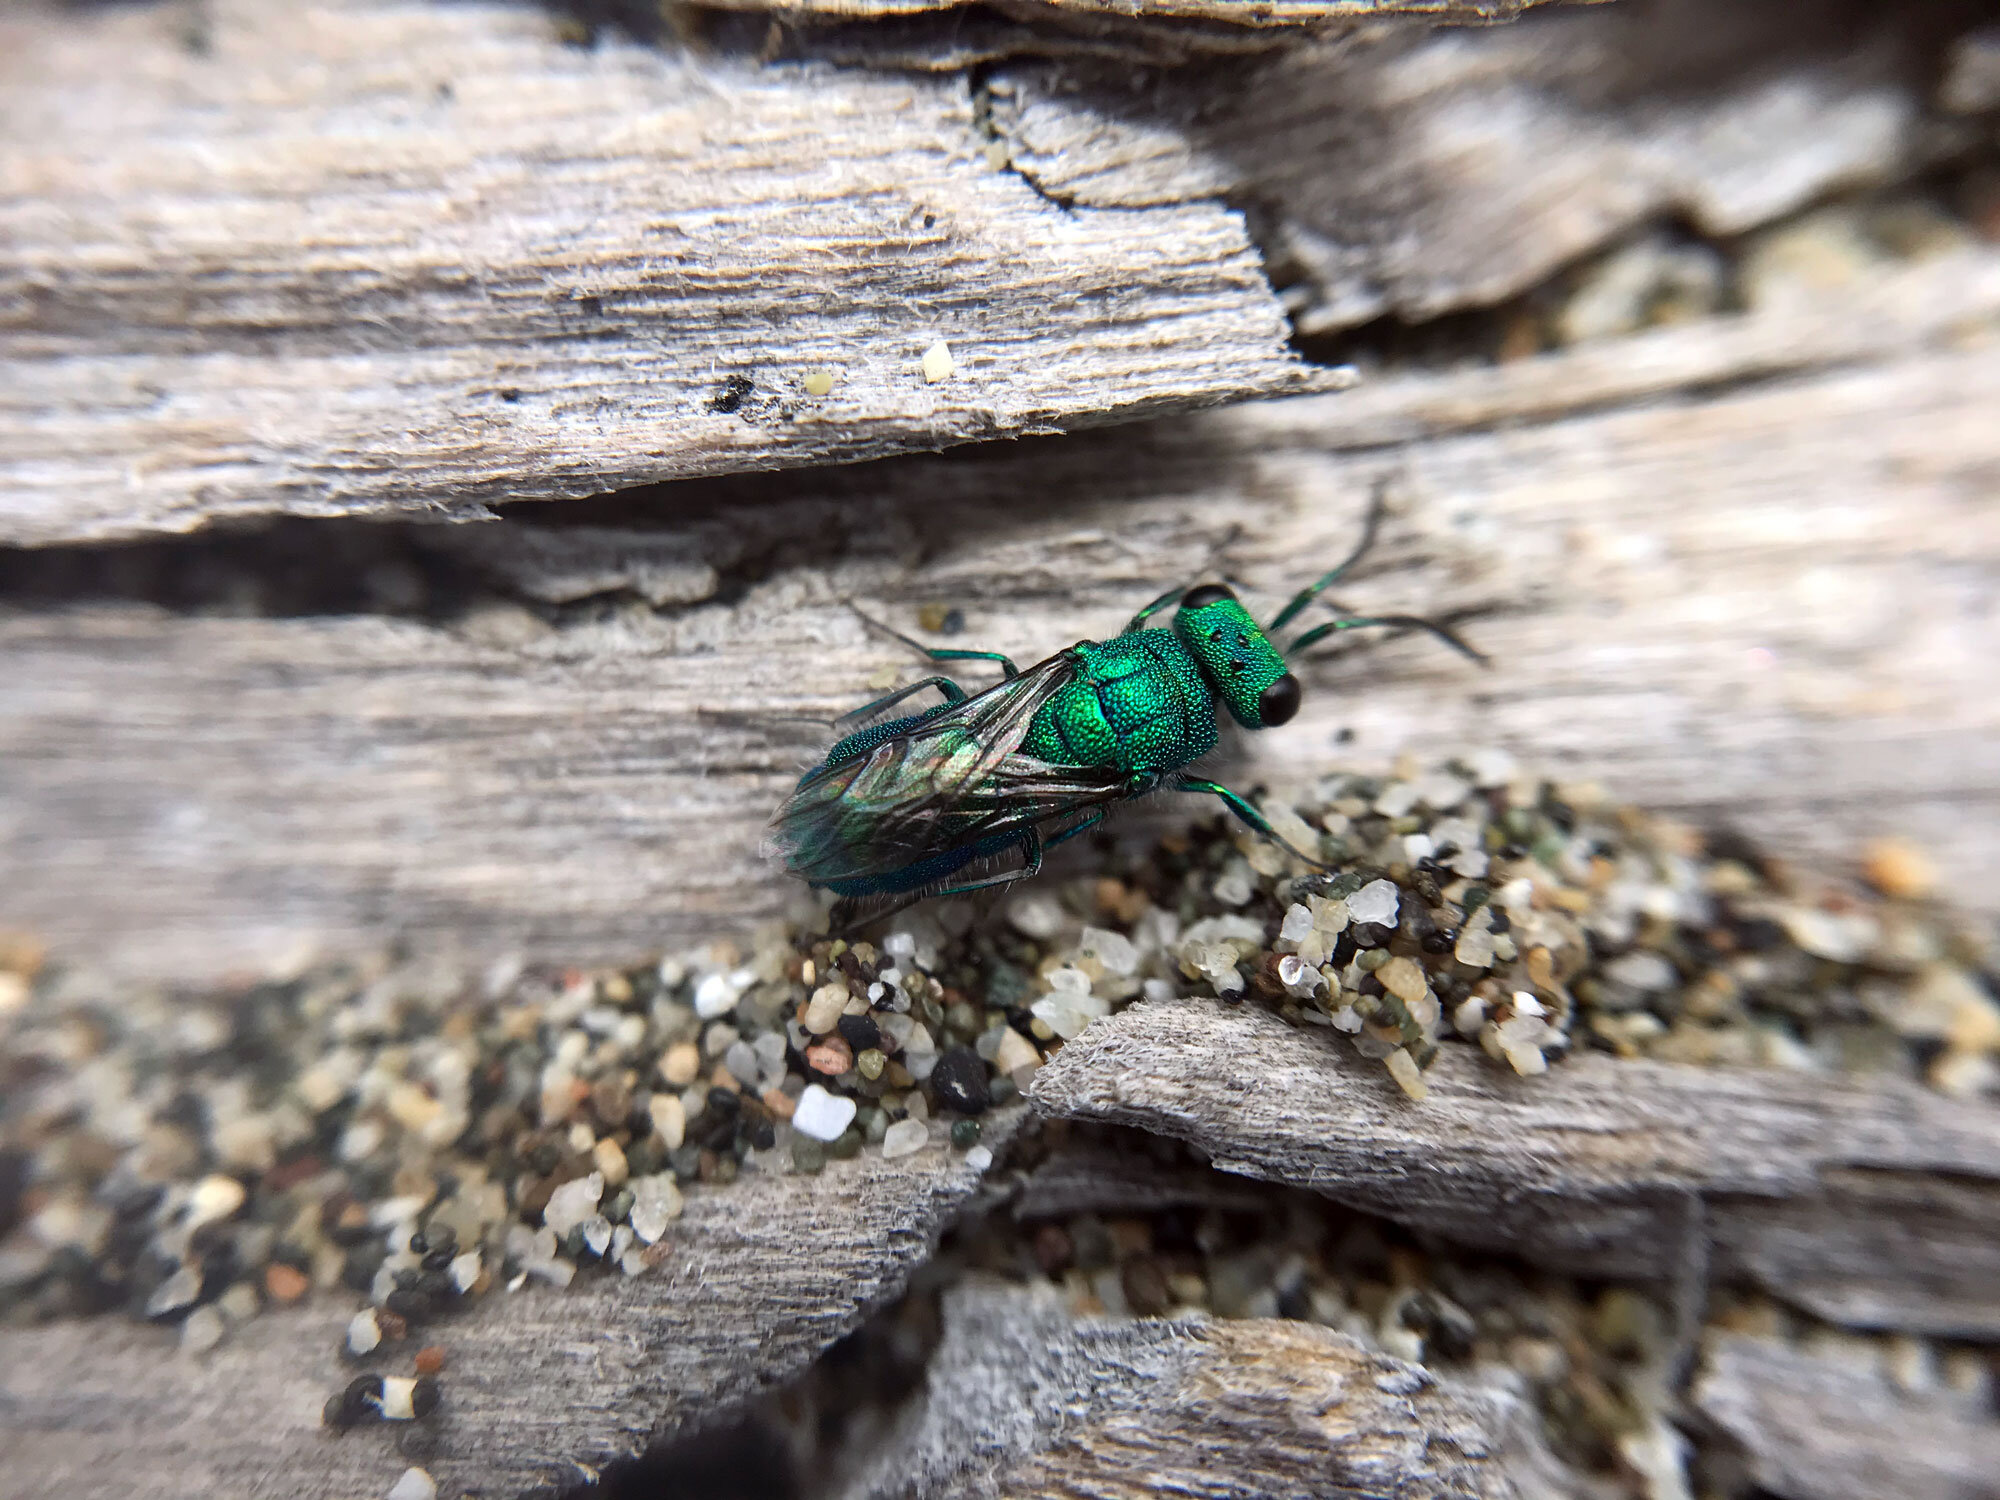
(950, 780)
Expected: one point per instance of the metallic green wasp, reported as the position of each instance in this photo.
(901, 808)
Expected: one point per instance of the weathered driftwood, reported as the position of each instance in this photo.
(1021, 1400)
(762, 1276)
(391, 256)
(948, 35)
(1254, 13)
(1117, 1176)
(1734, 569)
(1869, 1202)
(1404, 172)
(1815, 1427)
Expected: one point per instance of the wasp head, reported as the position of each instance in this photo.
(1236, 657)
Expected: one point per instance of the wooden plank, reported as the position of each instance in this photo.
(1602, 1167)
(1408, 173)
(385, 256)
(1261, 13)
(1739, 571)
(1021, 1400)
(763, 1275)
(1816, 1427)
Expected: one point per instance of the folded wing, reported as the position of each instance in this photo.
(949, 781)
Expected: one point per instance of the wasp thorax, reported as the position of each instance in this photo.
(1236, 657)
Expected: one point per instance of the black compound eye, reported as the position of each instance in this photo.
(1203, 595)
(1278, 702)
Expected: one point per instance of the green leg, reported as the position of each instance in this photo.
(952, 692)
(939, 654)
(1154, 608)
(1327, 580)
(1240, 805)
(1406, 622)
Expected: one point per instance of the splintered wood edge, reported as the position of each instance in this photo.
(762, 1276)
(1602, 1165)
(1021, 1399)
(1250, 14)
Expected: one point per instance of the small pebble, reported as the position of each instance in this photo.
(573, 1202)
(176, 1292)
(818, 382)
(937, 363)
(1403, 978)
(1375, 902)
(203, 1330)
(1014, 1053)
(364, 1332)
(821, 1115)
(214, 1198)
(656, 1202)
(680, 1064)
(669, 1118)
(1900, 869)
(959, 1081)
(361, 1401)
(415, 1484)
(429, 1360)
(1403, 1068)
(831, 1057)
(824, 1009)
(905, 1138)
(285, 1283)
(716, 996)
(611, 1164)
(979, 1158)
(399, 1398)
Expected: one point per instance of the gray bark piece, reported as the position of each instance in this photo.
(1815, 1427)
(1863, 1201)
(1264, 13)
(1021, 1400)
(414, 258)
(764, 1274)
(191, 793)
(1110, 1177)
(1414, 174)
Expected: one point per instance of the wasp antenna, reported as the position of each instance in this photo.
(1397, 622)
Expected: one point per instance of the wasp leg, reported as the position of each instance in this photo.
(940, 654)
(1241, 806)
(1031, 848)
(1169, 597)
(952, 692)
(1071, 832)
(1332, 576)
(1405, 622)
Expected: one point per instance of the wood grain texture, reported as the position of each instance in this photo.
(387, 256)
(1021, 1400)
(1410, 173)
(1815, 1426)
(1254, 13)
(1116, 1176)
(1863, 1201)
(1741, 571)
(763, 1275)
